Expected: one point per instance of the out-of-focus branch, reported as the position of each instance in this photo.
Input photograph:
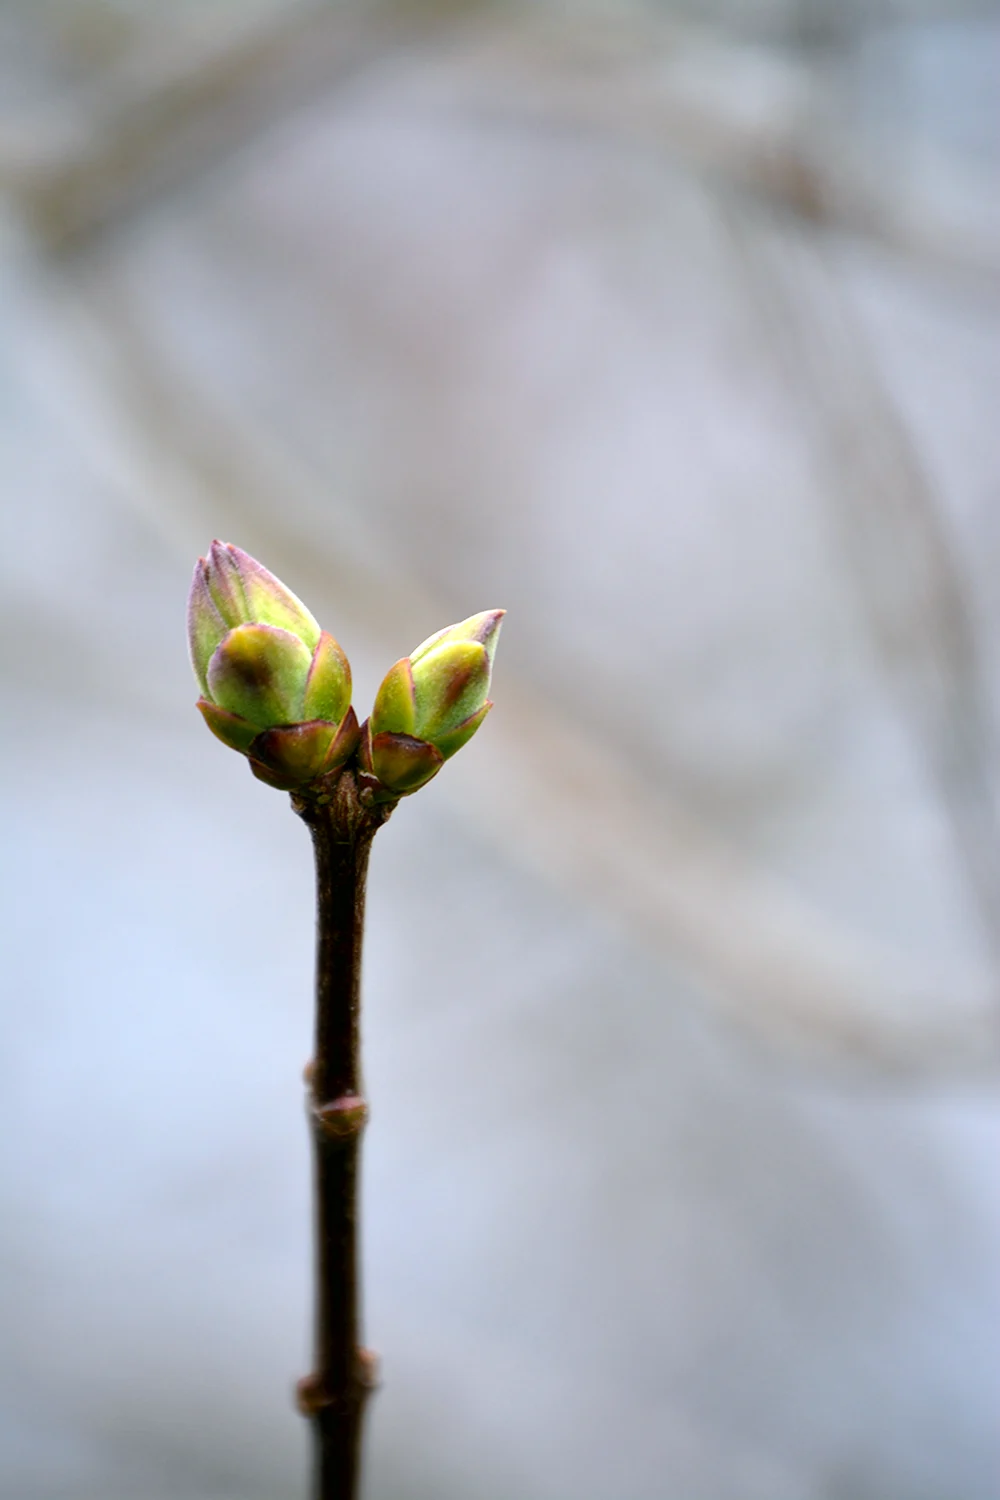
(908, 577)
(761, 118)
(79, 163)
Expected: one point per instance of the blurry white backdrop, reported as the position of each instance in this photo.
(675, 333)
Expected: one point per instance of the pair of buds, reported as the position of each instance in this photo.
(278, 688)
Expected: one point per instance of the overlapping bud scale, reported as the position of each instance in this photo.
(274, 685)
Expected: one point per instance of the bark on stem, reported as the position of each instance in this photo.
(334, 1396)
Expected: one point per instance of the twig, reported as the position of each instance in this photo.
(334, 1396)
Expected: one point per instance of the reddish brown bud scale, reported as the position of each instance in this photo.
(404, 763)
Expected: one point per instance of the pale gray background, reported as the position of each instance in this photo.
(676, 333)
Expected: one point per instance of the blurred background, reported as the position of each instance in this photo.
(674, 330)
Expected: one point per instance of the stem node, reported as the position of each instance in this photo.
(341, 1119)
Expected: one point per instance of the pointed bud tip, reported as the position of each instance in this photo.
(225, 553)
(234, 552)
(483, 628)
(491, 621)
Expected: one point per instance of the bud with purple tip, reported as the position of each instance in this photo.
(274, 685)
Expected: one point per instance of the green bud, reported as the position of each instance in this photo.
(274, 685)
(430, 704)
(259, 673)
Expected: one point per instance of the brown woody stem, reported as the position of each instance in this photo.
(334, 1396)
